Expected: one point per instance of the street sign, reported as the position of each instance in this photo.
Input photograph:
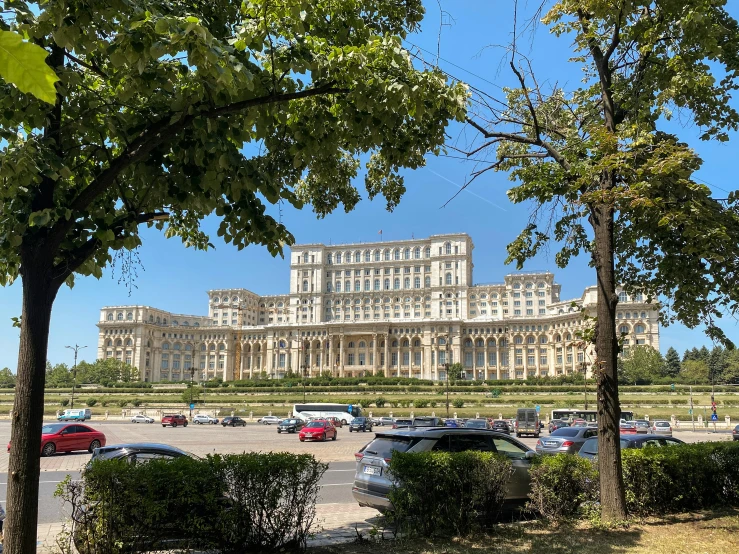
(690, 412)
(714, 417)
(537, 408)
(350, 408)
(192, 406)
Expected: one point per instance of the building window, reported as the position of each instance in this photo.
(492, 358)
(397, 253)
(407, 283)
(396, 284)
(448, 247)
(622, 297)
(448, 279)
(394, 358)
(480, 359)
(282, 355)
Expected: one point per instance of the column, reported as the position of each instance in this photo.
(374, 354)
(341, 356)
(386, 365)
(512, 361)
(474, 361)
(331, 353)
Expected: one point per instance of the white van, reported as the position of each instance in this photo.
(73, 415)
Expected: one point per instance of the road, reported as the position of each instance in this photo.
(203, 440)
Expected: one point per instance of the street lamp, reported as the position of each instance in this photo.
(192, 374)
(76, 348)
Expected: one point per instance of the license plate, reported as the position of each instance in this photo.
(550, 443)
(370, 470)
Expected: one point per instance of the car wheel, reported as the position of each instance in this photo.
(350, 429)
(323, 439)
(93, 445)
(302, 439)
(334, 437)
(184, 424)
(279, 432)
(163, 425)
(49, 449)
(174, 424)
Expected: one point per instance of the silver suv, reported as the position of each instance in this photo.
(372, 482)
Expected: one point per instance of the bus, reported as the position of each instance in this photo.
(344, 412)
(587, 415)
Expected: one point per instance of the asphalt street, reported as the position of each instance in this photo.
(335, 489)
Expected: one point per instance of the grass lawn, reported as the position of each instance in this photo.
(699, 533)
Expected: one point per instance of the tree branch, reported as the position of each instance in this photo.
(532, 111)
(92, 68)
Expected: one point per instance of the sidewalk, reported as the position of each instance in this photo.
(335, 524)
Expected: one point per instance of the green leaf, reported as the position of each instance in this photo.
(23, 64)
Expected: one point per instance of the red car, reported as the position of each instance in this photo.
(318, 430)
(628, 428)
(174, 420)
(68, 437)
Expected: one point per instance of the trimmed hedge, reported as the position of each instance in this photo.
(230, 504)
(661, 481)
(442, 493)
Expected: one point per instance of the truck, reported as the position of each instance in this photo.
(527, 422)
(73, 415)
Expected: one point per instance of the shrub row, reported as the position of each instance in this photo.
(658, 480)
(236, 503)
(444, 493)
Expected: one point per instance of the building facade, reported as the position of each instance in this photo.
(403, 308)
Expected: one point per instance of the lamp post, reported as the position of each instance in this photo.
(446, 370)
(192, 375)
(76, 348)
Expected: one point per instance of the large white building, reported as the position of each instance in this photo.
(404, 308)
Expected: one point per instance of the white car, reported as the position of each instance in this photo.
(204, 419)
(141, 418)
(269, 420)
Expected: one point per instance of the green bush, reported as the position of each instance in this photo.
(91, 402)
(458, 403)
(123, 402)
(380, 402)
(418, 403)
(561, 485)
(64, 402)
(442, 493)
(237, 503)
(105, 403)
(137, 402)
(432, 404)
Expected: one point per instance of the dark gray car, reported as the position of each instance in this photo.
(566, 440)
(589, 449)
(372, 482)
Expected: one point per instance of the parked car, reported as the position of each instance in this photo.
(661, 427)
(557, 424)
(174, 420)
(383, 421)
(628, 428)
(233, 421)
(402, 422)
(642, 426)
(589, 448)
(567, 440)
(205, 419)
(338, 423)
(579, 423)
(290, 425)
(454, 423)
(527, 422)
(68, 437)
(372, 482)
(72, 415)
(427, 421)
(319, 429)
(501, 426)
(141, 418)
(735, 433)
(269, 420)
(476, 424)
(360, 424)
(138, 452)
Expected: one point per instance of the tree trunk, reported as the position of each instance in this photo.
(28, 409)
(612, 497)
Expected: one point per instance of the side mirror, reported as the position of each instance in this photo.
(530, 454)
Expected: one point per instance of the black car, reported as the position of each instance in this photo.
(589, 448)
(290, 425)
(360, 424)
(501, 427)
(138, 452)
(427, 421)
(735, 433)
(233, 421)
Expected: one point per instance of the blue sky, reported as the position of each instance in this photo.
(175, 278)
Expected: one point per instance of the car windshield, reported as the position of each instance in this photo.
(661, 424)
(476, 424)
(316, 425)
(358, 420)
(289, 421)
(565, 432)
(383, 447)
(52, 428)
(418, 422)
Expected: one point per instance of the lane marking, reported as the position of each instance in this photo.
(336, 485)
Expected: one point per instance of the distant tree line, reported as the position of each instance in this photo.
(643, 365)
(100, 372)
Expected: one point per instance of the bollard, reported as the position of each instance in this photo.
(477, 415)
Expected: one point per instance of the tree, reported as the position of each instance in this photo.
(7, 378)
(455, 371)
(695, 372)
(608, 180)
(58, 376)
(191, 394)
(731, 370)
(642, 366)
(716, 365)
(167, 112)
(672, 363)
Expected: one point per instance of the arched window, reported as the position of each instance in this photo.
(129, 342)
(305, 257)
(377, 255)
(407, 254)
(328, 287)
(119, 342)
(518, 340)
(110, 317)
(357, 257)
(367, 256)
(350, 345)
(164, 321)
(416, 343)
(362, 344)
(348, 257)
(417, 253)
(427, 252)
(448, 248)
(377, 284)
(407, 283)
(387, 255)
(357, 286)
(417, 282)
(216, 300)
(448, 279)
(347, 286)
(531, 340)
(177, 346)
(282, 344)
(305, 286)
(338, 286)
(491, 342)
(442, 341)
(623, 329)
(120, 316)
(366, 285)
(338, 257)
(221, 347)
(129, 316)
(395, 344)
(639, 329)
(165, 346)
(468, 343)
(623, 297)
(212, 347)
(188, 347)
(396, 283)
(109, 343)
(542, 340)
(639, 297)
(406, 343)
(387, 284)
(427, 282)
(480, 342)
(329, 258)
(396, 254)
